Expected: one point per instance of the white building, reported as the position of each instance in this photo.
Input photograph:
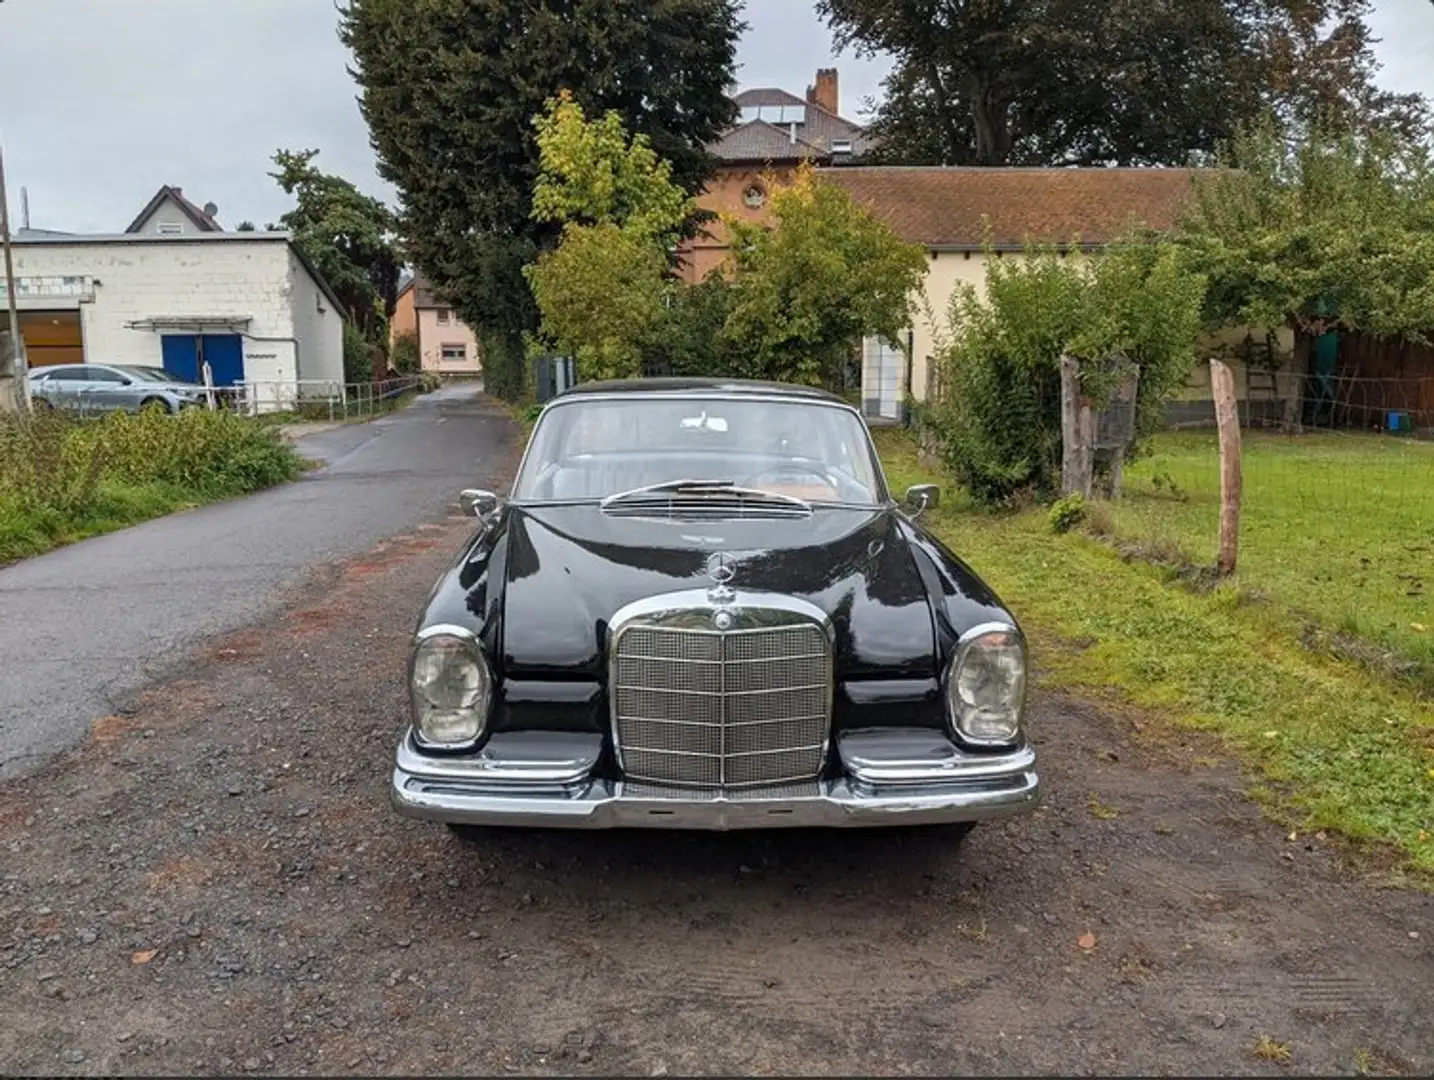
(246, 302)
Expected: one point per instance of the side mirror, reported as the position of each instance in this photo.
(477, 503)
(921, 497)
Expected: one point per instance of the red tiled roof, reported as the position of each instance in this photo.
(944, 207)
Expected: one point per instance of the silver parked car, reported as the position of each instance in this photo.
(96, 388)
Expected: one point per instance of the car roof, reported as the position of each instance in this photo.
(670, 385)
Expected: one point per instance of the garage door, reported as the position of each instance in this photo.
(184, 353)
(52, 337)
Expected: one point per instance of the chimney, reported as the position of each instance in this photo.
(826, 94)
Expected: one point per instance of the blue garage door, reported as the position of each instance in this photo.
(225, 353)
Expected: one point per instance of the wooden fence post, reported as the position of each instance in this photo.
(1227, 416)
(1077, 432)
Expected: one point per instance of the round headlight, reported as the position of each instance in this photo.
(986, 686)
(451, 688)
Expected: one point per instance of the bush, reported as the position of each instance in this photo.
(505, 363)
(62, 478)
(405, 357)
(997, 418)
(1068, 512)
(358, 356)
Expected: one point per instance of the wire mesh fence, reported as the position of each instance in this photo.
(1337, 517)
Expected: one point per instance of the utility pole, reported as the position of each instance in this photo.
(14, 396)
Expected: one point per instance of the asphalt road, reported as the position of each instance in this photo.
(84, 627)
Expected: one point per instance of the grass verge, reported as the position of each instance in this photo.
(1337, 748)
(63, 479)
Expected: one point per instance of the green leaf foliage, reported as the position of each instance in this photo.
(348, 236)
(996, 414)
(1090, 82)
(1312, 227)
(810, 287)
(450, 89)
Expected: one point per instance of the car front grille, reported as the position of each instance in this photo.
(707, 709)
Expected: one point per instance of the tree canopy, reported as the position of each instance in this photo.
(449, 90)
(347, 235)
(1311, 228)
(605, 288)
(1091, 82)
(810, 287)
(996, 415)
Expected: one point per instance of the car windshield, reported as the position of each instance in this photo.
(149, 374)
(591, 449)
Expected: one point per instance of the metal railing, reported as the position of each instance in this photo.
(320, 398)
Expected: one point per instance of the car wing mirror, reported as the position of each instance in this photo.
(921, 497)
(478, 503)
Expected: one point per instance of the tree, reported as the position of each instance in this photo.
(808, 289)
(449, 89)
(604, 289)
(347, 235)
(1314, 228)
(1089, 82)
(245, 226)
(997, 416)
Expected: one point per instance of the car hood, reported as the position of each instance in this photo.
(569, 568)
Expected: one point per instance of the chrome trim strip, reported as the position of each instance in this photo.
(449, 629)
(895, 757)
(609, 805)
(963, 643)
(551, 758)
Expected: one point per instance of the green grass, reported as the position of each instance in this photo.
(1339, 747)
(1338, 528)
(27, 531)
(63, 479)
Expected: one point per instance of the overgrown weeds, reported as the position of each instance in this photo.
(63, 478)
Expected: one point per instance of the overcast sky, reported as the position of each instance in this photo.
(102, 101)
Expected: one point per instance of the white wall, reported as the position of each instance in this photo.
(318, 326)
(167, 213)
(217, 275)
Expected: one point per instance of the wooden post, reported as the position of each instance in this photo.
(1077, 432)
(1227, 415)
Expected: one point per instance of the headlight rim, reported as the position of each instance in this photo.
(964, 644)
(470, 641)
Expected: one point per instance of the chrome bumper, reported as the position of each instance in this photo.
(544, 779)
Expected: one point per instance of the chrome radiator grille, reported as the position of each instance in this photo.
(739, 709)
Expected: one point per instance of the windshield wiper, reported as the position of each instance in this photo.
(705, 487)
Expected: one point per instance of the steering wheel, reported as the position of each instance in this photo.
(787, 472)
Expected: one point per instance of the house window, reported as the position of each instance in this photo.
(170, 228)
(443, 316)
(455, 354)
(754, 197)
(841, 146)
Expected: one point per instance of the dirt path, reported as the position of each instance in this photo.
(214, 883)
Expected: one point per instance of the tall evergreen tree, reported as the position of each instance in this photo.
(450, 89)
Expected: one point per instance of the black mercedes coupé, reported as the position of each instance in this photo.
(701, 608)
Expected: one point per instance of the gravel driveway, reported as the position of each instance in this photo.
(213, 882)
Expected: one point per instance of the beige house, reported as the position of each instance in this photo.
(955, 212)
(446, 345)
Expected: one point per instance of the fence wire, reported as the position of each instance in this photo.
(1337, 516)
